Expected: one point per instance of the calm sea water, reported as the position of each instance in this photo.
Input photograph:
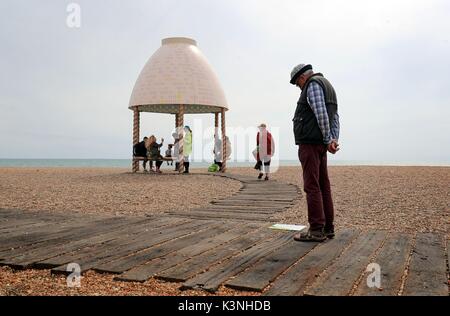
(126, 163)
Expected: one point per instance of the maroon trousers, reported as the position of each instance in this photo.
(317, 185)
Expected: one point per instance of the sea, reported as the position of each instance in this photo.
(126, 163)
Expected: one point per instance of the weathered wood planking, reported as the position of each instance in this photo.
(427, 273)
(202, 262)
(244, 210)
(11, 225)
(136, 259)
(141, 242)
(305, 272)
(35, 223)
(23, 258)
(148, 270)
(240, 207)
(252, 203)
(262, 273)
(263, 198)
(215, 276)
(64, 231)
(120, 238)
(392, 259)
(339, 278)
(225, 215)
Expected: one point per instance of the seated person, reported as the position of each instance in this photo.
(139, 150)
(218, 155)
(169, 155)
(218, 151)
(153, 151)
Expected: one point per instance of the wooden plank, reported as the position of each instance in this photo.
(238, 207)
(297, 278)
(268, 196)
(285, 193)
(392, 259)
(219, 213)
(259, 186)
(143, 241)
(27, 226)
(215, 276)
(20, 215)
(20, 231)
(263, 199)
(26, 221)
(8, 211)
(427, 273)
(270, 267)
(244, 210)
(24, 226)
(268, 185)
(340, 277)
(55, 232)
(96, 231)
(148, 270)
(120, 238)
(224, 214)
(252, 203)
(126, 263)
(200, 263)
(85, 229)
(25, 258)
(268, 191)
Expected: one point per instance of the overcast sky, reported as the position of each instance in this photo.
(64, 92)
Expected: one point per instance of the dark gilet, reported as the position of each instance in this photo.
(306, 128)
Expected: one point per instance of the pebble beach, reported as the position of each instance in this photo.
(404, 199)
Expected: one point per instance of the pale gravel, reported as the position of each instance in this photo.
(107, 191)
(43, 283)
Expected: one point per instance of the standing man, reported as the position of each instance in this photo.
(187, 147)
(316, 130)
(266, 149)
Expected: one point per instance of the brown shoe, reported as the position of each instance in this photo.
(310, 236)
(329, 232)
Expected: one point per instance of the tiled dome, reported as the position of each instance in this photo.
(178, 73)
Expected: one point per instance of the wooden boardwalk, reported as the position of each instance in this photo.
(227, 244)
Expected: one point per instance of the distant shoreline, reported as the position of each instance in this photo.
(126, 163)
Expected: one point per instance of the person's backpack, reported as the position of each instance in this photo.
(213, 168)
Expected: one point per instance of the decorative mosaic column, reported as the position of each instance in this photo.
(180, 137)
(224, 143)
(136, 119)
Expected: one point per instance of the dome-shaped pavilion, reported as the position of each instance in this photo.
(178, 80)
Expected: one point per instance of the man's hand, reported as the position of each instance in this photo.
(333, 147)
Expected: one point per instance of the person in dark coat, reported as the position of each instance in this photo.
(139, 150)
(154, 152)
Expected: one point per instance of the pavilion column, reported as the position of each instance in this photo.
(136, 119)
(216, 131)
(216, 123)
(224, 143)
(180, 124)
